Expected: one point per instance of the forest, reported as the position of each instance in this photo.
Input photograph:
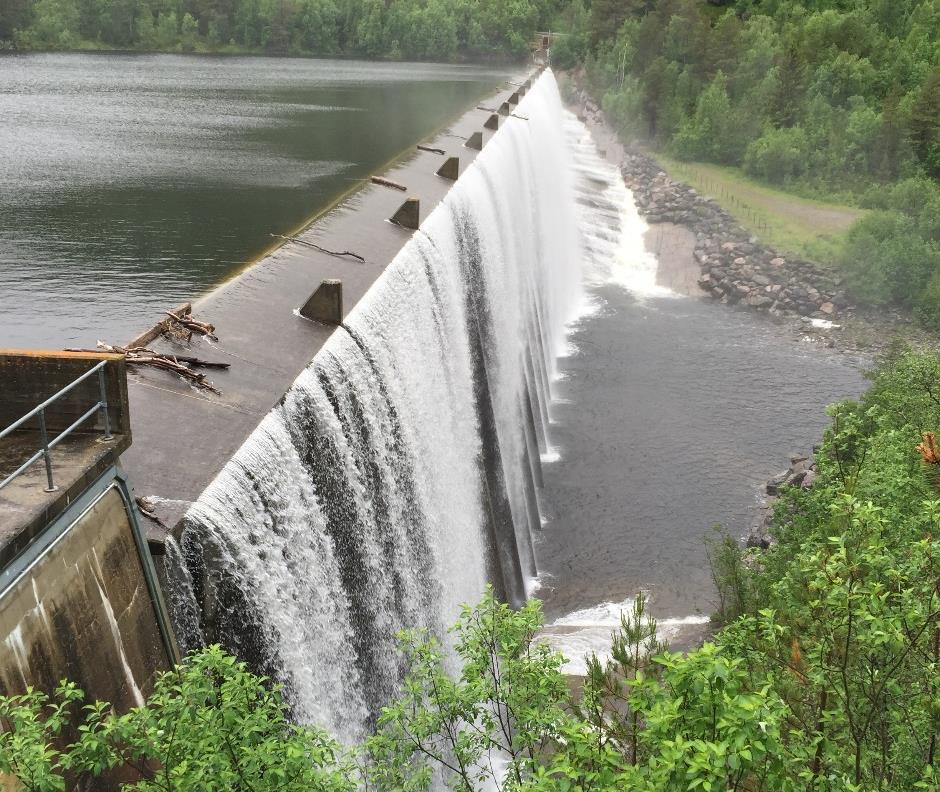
(830, 98)
(442, 30)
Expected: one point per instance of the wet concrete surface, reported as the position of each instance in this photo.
(25, 506)
(674, 245)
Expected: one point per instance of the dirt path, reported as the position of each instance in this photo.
(809, 228)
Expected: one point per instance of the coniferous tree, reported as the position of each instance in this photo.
(925, 124)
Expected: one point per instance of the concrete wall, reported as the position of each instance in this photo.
(82, 610)
(27, 379)
(31, 377)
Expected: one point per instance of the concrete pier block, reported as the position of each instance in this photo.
(408, 214)
(326, 303)
(475, 141)
(492, 122)
(450, 169)
(505, 109)
(514, 99)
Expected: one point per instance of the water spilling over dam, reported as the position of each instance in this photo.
(399, 474)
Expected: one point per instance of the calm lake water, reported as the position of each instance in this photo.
(130, 183)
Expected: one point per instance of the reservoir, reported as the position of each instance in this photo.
(131, 183)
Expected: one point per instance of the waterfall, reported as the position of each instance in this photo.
(400, 473)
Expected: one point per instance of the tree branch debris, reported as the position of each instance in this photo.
(388, 183)
(181, 365)
(193, 325)
(322, 249)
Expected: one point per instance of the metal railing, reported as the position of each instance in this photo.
(46, 444)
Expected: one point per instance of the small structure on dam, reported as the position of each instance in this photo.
(79, 597)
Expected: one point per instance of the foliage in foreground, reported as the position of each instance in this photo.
(210, 724)
(825, 677)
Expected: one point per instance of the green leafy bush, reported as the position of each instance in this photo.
(209, 725)
(893, 254)
(778, 155)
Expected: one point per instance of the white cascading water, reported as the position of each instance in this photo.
(612, 228)
(399, 474)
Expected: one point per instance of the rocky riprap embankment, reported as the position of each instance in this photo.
(801, 473)
(735, 267)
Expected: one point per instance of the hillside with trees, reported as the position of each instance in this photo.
(443, 30)
(824, 97)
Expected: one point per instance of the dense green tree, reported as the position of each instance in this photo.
(607, 16)
(925, 124)
(14, 15)
(708, 133)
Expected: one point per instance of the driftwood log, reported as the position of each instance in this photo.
(146, 508)
(388, 183)
(431, 149)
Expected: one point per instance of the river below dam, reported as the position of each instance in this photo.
(131, 183)
(671, 412)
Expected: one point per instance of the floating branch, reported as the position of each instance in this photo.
(195, 362)
(431, 149)
(388, 183)
(315, 246)
(520, 117)
(194, 325)
(488, 109)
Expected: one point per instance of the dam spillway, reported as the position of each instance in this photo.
(397, 475)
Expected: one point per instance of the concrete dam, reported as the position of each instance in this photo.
(396, 475)
(399, 473)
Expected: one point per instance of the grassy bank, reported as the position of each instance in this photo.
(809, 228)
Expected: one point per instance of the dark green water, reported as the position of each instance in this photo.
(130, 183)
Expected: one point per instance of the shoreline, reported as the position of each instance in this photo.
(696, 240)
(223, 52)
